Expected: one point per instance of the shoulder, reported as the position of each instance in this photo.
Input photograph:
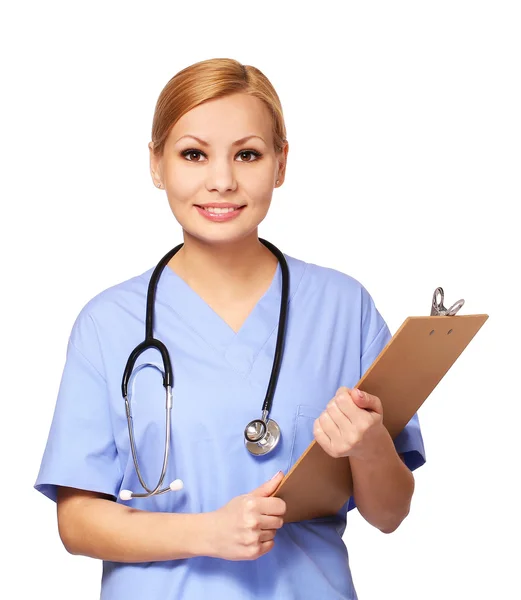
(333, 282)
(344, 298)
(124, 297)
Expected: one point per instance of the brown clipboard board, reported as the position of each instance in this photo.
(403, 375)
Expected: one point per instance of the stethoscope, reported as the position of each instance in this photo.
(260, 435)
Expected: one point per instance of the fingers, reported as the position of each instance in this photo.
(266, 547)
(346, 414)
(347, 406)
(267, 535)
(337, 423)
(339, 417)
(268, 487)
(259, 537)
(271, 506)
(253, 550)
(322, 438)
(270, 522)
(328, 425)
(366, 401)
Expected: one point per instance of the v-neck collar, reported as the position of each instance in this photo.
(241, 348)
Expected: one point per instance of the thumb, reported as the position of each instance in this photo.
(268, 487)
(364, 400)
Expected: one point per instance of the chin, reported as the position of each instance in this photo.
(224, 236)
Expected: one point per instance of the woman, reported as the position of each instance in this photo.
(218, 140)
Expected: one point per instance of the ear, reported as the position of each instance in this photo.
(156, 164)
(281, 174)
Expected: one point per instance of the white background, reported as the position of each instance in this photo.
(404, 126)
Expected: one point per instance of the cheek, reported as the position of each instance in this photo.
(258, 193)
(179, 206)
(183, 179)
(258, 181)
(182, 190)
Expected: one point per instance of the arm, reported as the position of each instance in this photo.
(81, 454)
(382, 485)
(352, 425)
(94, 525)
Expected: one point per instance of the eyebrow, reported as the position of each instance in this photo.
(237, 143)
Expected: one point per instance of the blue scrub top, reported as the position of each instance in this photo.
(334, 333)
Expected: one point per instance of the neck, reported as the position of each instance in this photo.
(233, 267)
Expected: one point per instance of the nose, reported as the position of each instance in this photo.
(221, 176)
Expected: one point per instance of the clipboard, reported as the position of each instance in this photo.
(403, 376)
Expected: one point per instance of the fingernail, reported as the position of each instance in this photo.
(360, 393)
(276, 474)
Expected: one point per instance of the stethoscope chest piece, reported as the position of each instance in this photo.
(261, 436)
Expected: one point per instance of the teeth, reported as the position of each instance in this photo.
(219, 211)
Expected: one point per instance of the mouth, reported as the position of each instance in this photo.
(217, 210)
(220, 214)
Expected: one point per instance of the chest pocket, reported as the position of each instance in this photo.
(302, 431)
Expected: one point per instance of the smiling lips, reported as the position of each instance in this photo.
(220, 212)
(219, 205)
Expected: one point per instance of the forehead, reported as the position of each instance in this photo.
(224, 120)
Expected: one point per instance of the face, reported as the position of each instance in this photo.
(223, 169)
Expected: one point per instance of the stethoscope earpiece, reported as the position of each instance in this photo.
(175, 486)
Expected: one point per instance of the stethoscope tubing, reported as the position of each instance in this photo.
(130, 422)
(281, 332)
(167, 373)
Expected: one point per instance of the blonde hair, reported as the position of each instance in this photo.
(209, 79)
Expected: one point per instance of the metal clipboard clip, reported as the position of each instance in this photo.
(437, 308)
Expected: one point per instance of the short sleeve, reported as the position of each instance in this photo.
(80, 450)
(375, 336)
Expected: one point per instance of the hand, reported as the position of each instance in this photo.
(351, 425)
(245, 528)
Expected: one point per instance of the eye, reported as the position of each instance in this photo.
(193, 151)
(190, 152)
(251, 152)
